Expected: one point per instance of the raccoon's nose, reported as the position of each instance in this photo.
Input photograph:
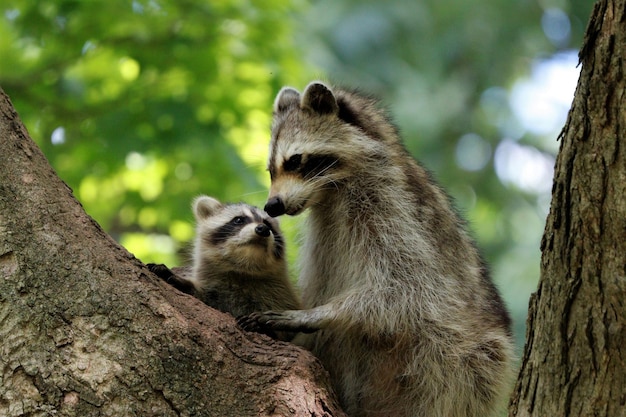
(275, 207)
(262, 230)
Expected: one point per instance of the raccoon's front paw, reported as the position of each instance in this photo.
(161, 271)
(171, 278)
(252, 323)
(261, 322)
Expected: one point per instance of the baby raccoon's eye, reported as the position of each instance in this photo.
(292, 163)
(238, 220)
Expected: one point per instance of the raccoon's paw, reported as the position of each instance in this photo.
(161, 271)
(251, 323)
(288, 320)
(167, 275)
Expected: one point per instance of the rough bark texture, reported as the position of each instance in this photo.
(86, 330)
(574, 361)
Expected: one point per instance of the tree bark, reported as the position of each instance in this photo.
(86, 330)
(574, 360)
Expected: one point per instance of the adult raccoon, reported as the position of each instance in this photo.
(397, 300)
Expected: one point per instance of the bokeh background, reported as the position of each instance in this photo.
(142, 105)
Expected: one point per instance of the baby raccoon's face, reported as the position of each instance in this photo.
(237, 237)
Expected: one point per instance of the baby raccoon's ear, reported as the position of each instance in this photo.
(204, 206)
(319, 98)
(286, 98)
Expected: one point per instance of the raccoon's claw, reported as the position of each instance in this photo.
(161, 271)
(260, 322)
(251, 323)
(274, 320)
(171, 278)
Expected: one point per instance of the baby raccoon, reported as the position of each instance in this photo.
(239, 264)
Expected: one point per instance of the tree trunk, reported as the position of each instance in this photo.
(574, 363)
(86, 330)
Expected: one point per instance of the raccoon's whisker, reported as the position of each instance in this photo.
(331, 183)
(320, 184)
(255, 166)
(323, 171)
(252, 193)
(334, 183)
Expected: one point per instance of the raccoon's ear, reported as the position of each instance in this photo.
(204, 206)
(286, 98)
(319, 98)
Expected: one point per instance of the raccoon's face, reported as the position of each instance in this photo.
(300, 181)
(237, 237)
(307, 150)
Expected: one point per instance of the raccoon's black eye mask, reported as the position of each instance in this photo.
(293, 163)
(227, 230)
(318, 164)
(313, 165)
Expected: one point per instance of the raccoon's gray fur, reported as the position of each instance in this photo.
(239, 261)
(401, 308)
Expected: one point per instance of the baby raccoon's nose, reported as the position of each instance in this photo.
(262, 230)
(275, 207)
